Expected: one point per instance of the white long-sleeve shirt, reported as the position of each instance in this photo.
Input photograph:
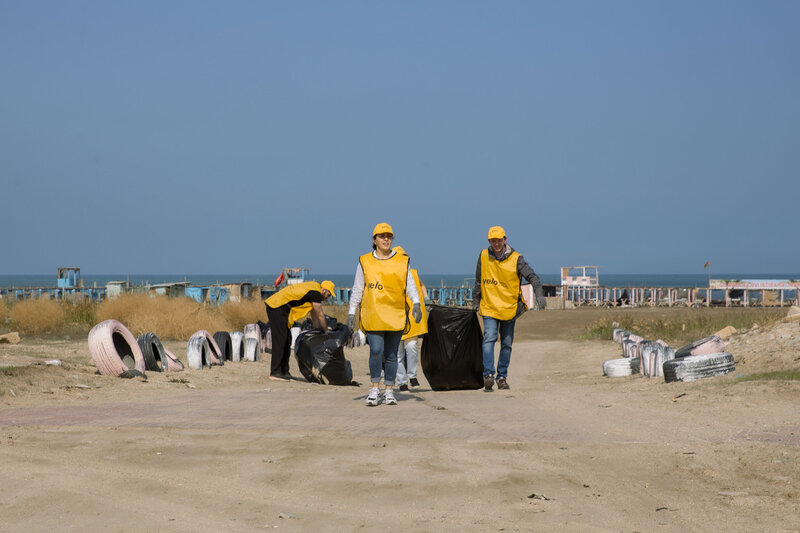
(357, 292)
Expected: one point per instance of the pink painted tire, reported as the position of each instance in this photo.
(114, 349)
(173, 363)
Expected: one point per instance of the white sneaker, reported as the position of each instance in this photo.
(388, 397)
(374, 397)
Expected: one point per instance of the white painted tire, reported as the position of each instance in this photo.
(114, 349)
(197, 352)
(215, 354)
(694, 367)
(620, 367)
(253, 331)
(251, 349)
(237, 346)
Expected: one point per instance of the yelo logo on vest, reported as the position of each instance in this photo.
(490, 281)
(377, 286)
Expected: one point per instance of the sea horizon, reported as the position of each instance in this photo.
(346, 280)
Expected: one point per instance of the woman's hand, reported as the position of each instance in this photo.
(416, 312)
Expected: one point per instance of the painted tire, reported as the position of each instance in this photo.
(214, 354)
(153, 351)
(694, 367)
(620, 367)
(706, 345)
(173, 363)
(253, 331)
(237, 346)
(197, 351)
(114, 349)
(223, 340)
(251, 349)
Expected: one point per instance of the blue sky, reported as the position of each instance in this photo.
(225, 137)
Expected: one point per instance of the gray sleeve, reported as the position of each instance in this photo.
(524, 270)
(476, 292)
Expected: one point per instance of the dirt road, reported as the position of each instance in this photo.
(565, 449)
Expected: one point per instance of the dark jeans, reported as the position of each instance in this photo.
(281, 339)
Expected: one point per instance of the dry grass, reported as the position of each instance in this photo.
(169, 318)
(683, 325)
(339, 312)
(238, 314)
(37, 317)
(3, 312)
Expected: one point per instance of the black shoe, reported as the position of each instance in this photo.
(404, 388)
(502, 384)
(488, 383)
(414, 382)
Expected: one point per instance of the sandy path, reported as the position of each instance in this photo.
(624, 454)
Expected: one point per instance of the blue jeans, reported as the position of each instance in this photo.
(490, 329)
(383, 355)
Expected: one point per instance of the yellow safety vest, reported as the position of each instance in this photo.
(293, 293)
(383, 306)
(421, 328)
(500, 289)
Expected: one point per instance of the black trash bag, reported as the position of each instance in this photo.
(320, 356)
(451, 354)
(308, 324)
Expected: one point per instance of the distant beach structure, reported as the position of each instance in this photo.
(574, 286)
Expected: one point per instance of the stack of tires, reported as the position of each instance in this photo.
(630, 362)
(699, 359)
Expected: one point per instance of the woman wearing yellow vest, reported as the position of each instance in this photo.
(286, 307)
(382, 283)
(407, 359)
(498, 299)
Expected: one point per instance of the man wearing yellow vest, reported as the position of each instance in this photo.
(407, 359)
(382, 286)
(498, 299)
(287, 306)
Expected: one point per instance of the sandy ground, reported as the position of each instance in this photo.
(565, 449)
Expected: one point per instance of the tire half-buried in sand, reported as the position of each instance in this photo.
(237, 346)
(114, 349)
(153, 351)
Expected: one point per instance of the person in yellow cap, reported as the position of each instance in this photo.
(287, 306)
(383, 282)
(407, 359)
(498, 299)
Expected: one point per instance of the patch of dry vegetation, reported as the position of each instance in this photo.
(684, 325)
(3, 312)
(169, 318)
(37, 317)
(238, 314)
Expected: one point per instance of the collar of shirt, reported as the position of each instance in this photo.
(375, 255)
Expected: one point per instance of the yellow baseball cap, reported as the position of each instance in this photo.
(399, 250)
(383, 227)
(329, 286)
(496, 232)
